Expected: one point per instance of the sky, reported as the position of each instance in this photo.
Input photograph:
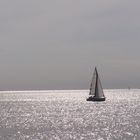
(51, 44)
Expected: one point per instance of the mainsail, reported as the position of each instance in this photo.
(93, 83)
(96, 89)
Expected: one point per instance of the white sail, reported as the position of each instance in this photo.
(96, 87)
(93, 83)
(99, 90)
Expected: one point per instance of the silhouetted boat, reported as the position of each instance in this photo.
(96, 91)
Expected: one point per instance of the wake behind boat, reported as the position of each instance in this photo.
(96, 91)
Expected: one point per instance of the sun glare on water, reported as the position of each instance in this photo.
(66, 115)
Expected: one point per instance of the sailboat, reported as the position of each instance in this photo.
(96, 91)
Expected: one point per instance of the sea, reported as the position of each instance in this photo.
(66, 115)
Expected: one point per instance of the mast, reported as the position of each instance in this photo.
(96, 86)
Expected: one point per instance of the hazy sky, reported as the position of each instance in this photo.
(55, 44)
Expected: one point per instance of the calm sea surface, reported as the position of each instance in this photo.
(66, 115)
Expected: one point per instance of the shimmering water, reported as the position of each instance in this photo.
(66, 115)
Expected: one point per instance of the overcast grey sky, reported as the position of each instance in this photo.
(55, 44)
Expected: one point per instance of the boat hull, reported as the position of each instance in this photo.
(96, 99)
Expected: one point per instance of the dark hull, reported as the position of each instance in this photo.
(96, 99)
